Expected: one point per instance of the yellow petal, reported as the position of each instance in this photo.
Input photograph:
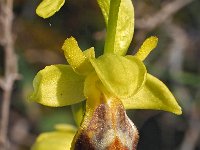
(76, 58)
(57, 85)
(73, 53)
(148, 45)
(154, 95)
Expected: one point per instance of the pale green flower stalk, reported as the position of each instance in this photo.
(109, 84)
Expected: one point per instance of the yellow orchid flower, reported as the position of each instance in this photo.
(110, 84)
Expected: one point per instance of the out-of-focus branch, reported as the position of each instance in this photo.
(177, 48)
(10, 72)
(161, 16)
(193, 132)
(176, 57)
(1, 83)
(180, 42)
(1, 20)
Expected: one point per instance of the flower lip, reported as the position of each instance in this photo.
(105, 127)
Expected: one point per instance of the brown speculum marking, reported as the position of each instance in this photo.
(108, 128)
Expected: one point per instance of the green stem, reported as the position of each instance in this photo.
(112, 26)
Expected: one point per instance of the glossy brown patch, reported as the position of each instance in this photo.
(108, 128)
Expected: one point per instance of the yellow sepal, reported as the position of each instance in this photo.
(154, 95)
(57, 85)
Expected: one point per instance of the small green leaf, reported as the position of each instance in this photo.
(120, 75)
(57, 85)
(154, 95)
(125, 26)
(148, 45)
(48, 8)
(57, 140)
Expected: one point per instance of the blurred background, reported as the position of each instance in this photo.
(176, 61)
